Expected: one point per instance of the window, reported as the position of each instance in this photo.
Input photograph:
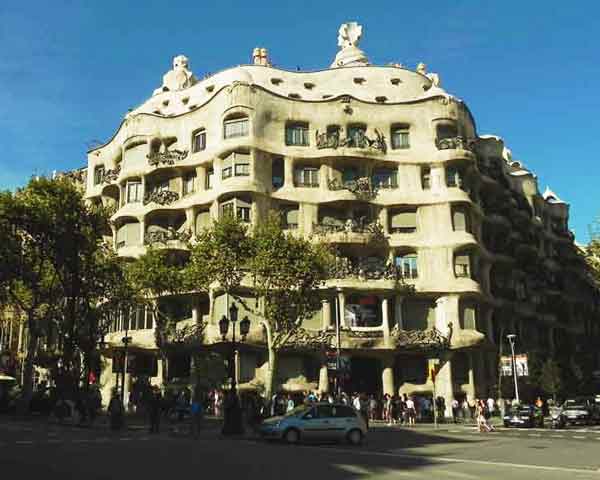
(324, 411)
(98, 174)
(149, 319)
(128, 234)
(188, 183)
(469, 317)
(407, 264)
(236, 127)
(356, 136)
(227, 210)
(403, 222)
(453, 177)
(210, 173)
(134, 192)
(241, 208)
(203, 220)
(290, 218)
(243, 214)
(426, 178)
(462, 265)
(277, 172)
(237, 164)
(446, 130)
(363, 311)
(460, 219)
(199, 140)
(296, 134)
(242, 169)
(307, 177)
(400, 137)
(349, 175)
(385, 178)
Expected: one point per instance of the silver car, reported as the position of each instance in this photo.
(321, 421)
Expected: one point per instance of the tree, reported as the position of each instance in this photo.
(156, 274)
(57, 270)
(31, 223)
(550, 378)
(287, 272)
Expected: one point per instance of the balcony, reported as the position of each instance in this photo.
(166, 157)
(350, 230)
(454, 143)
(156, 235)
(366, 268)
(362, 188)
(356, 139)
(161, 197)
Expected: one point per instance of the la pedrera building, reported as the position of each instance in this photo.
(384, 164)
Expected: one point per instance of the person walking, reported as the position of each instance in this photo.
(455, 410)
(115, 411)
(154, 410)
(197, 411)
(411, 412)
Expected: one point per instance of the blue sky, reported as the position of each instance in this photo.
(69, 70)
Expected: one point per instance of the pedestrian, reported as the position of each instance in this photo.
(115, 411)
(491, 405)
(197, 411)
(455, 410)
(154, 410)
(364, 408)
(411, 413)
(290, 404)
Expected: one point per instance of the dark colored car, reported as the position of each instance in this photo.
(527, 416)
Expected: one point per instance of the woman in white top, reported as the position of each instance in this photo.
(410, 410)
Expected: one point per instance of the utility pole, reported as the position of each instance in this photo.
(511, 339)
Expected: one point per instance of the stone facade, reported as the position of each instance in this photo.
(386, 165)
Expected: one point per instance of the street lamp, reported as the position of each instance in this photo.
(126, 341)
(511, 339)
(232, 423)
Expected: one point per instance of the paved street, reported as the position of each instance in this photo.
(36, 449)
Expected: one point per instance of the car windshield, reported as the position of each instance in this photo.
(298, 410)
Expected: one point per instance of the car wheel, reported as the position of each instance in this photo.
(355, 437)
(292, 436)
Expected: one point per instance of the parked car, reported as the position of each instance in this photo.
(323, 421)
(527, 416)
(580, 411)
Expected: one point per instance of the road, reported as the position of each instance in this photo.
(41, 450)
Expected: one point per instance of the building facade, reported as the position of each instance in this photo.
(389, 168)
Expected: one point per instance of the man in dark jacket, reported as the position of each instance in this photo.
(154, 409)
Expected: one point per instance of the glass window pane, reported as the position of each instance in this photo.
(199, 141)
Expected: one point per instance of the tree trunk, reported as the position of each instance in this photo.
(27, 387)
(271, 374)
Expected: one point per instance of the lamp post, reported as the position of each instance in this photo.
(338, 343)
(126, 340)
(511, 339)
(232, 423)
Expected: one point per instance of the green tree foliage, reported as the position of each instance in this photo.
(56, 269)
(550, 378)
(157, 273)
(287, 272)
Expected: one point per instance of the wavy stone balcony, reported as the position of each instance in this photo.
(350, 231)
(452, 148)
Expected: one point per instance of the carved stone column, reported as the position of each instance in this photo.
(326, 314)
(200, 178)
(385, 320)
(342, 308)
(142, 231)
(387, 376)
(443, 384)
(323, 379)
(323, 176)
(288, 172)
(398, 311)
(383, 219)
(471, 383)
